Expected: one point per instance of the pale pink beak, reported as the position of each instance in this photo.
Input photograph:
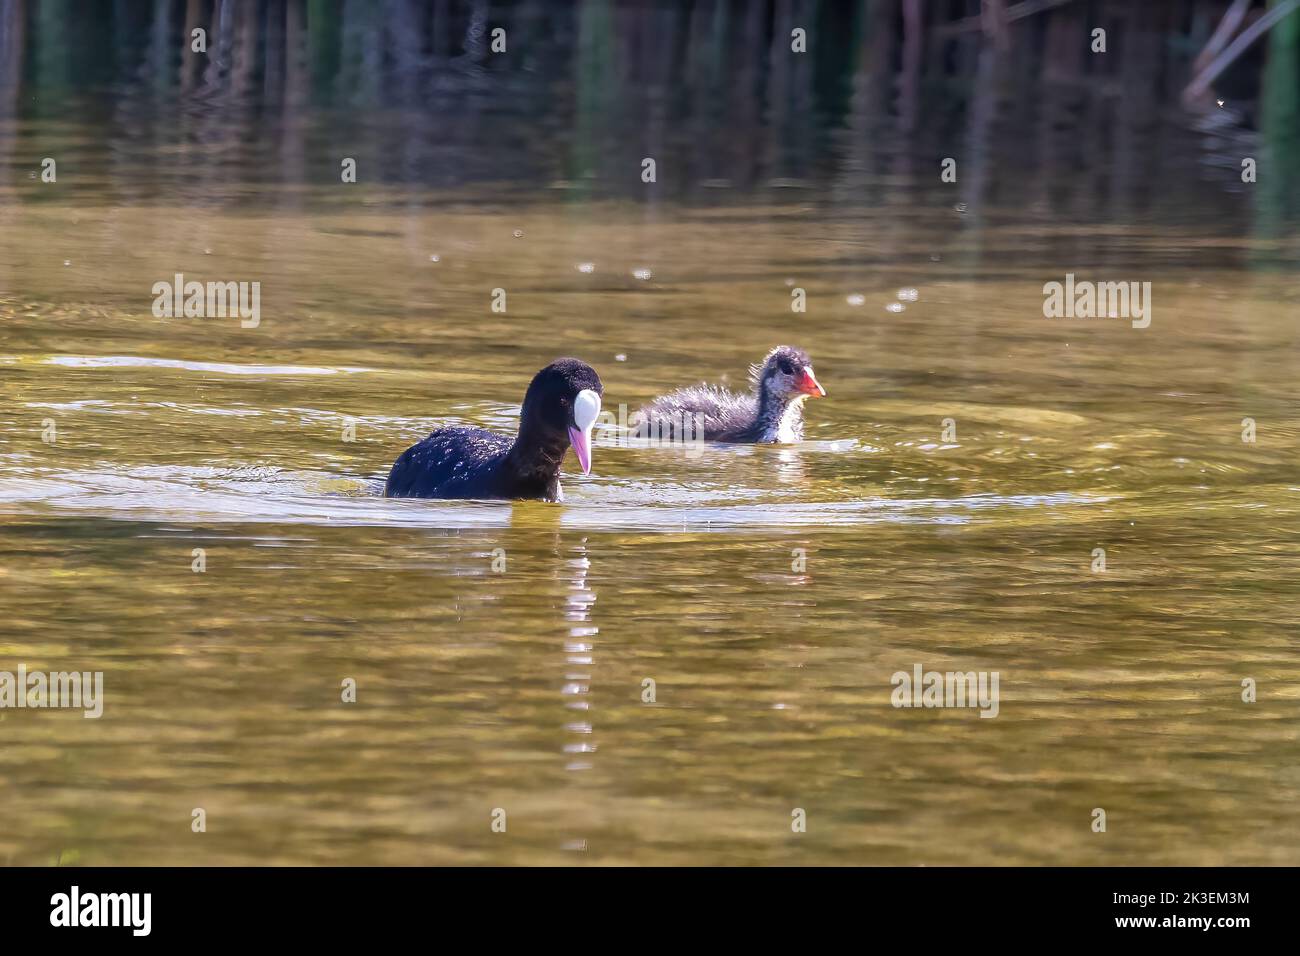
(581, 443)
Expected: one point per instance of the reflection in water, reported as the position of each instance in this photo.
(790, 467)
(580, 661)
(579, 670)
(412, 92)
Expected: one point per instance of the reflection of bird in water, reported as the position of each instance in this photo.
(790, 467)
(578, 659)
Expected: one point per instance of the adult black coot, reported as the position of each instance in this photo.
(772, 412)
(559, 408)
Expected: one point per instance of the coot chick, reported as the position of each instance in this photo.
(559, 408)
(773, 412)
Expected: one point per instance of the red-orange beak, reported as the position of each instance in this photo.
(808, 383)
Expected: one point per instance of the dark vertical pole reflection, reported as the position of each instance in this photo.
(596, 85)
(974, 176)
(1133, 119)
(273, 19)
(909, 106)
(909, 86)
(161, 45)
(1276, 196)
(777, 119)
(12, 31)
(191, 61)
(856, 178)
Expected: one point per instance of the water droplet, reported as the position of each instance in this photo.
(857, 298)
(895, 307)
(620, 357)
(207, 252)
(519, 233)
(67, 262)
(642, 274)
(435, 258)
(960, 207)
(587, 267)
(908, 295)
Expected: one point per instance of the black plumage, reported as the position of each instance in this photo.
(466, 462)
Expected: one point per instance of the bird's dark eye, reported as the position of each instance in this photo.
(785, 366)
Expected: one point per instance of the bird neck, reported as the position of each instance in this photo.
(537, 451)
(780, 417)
